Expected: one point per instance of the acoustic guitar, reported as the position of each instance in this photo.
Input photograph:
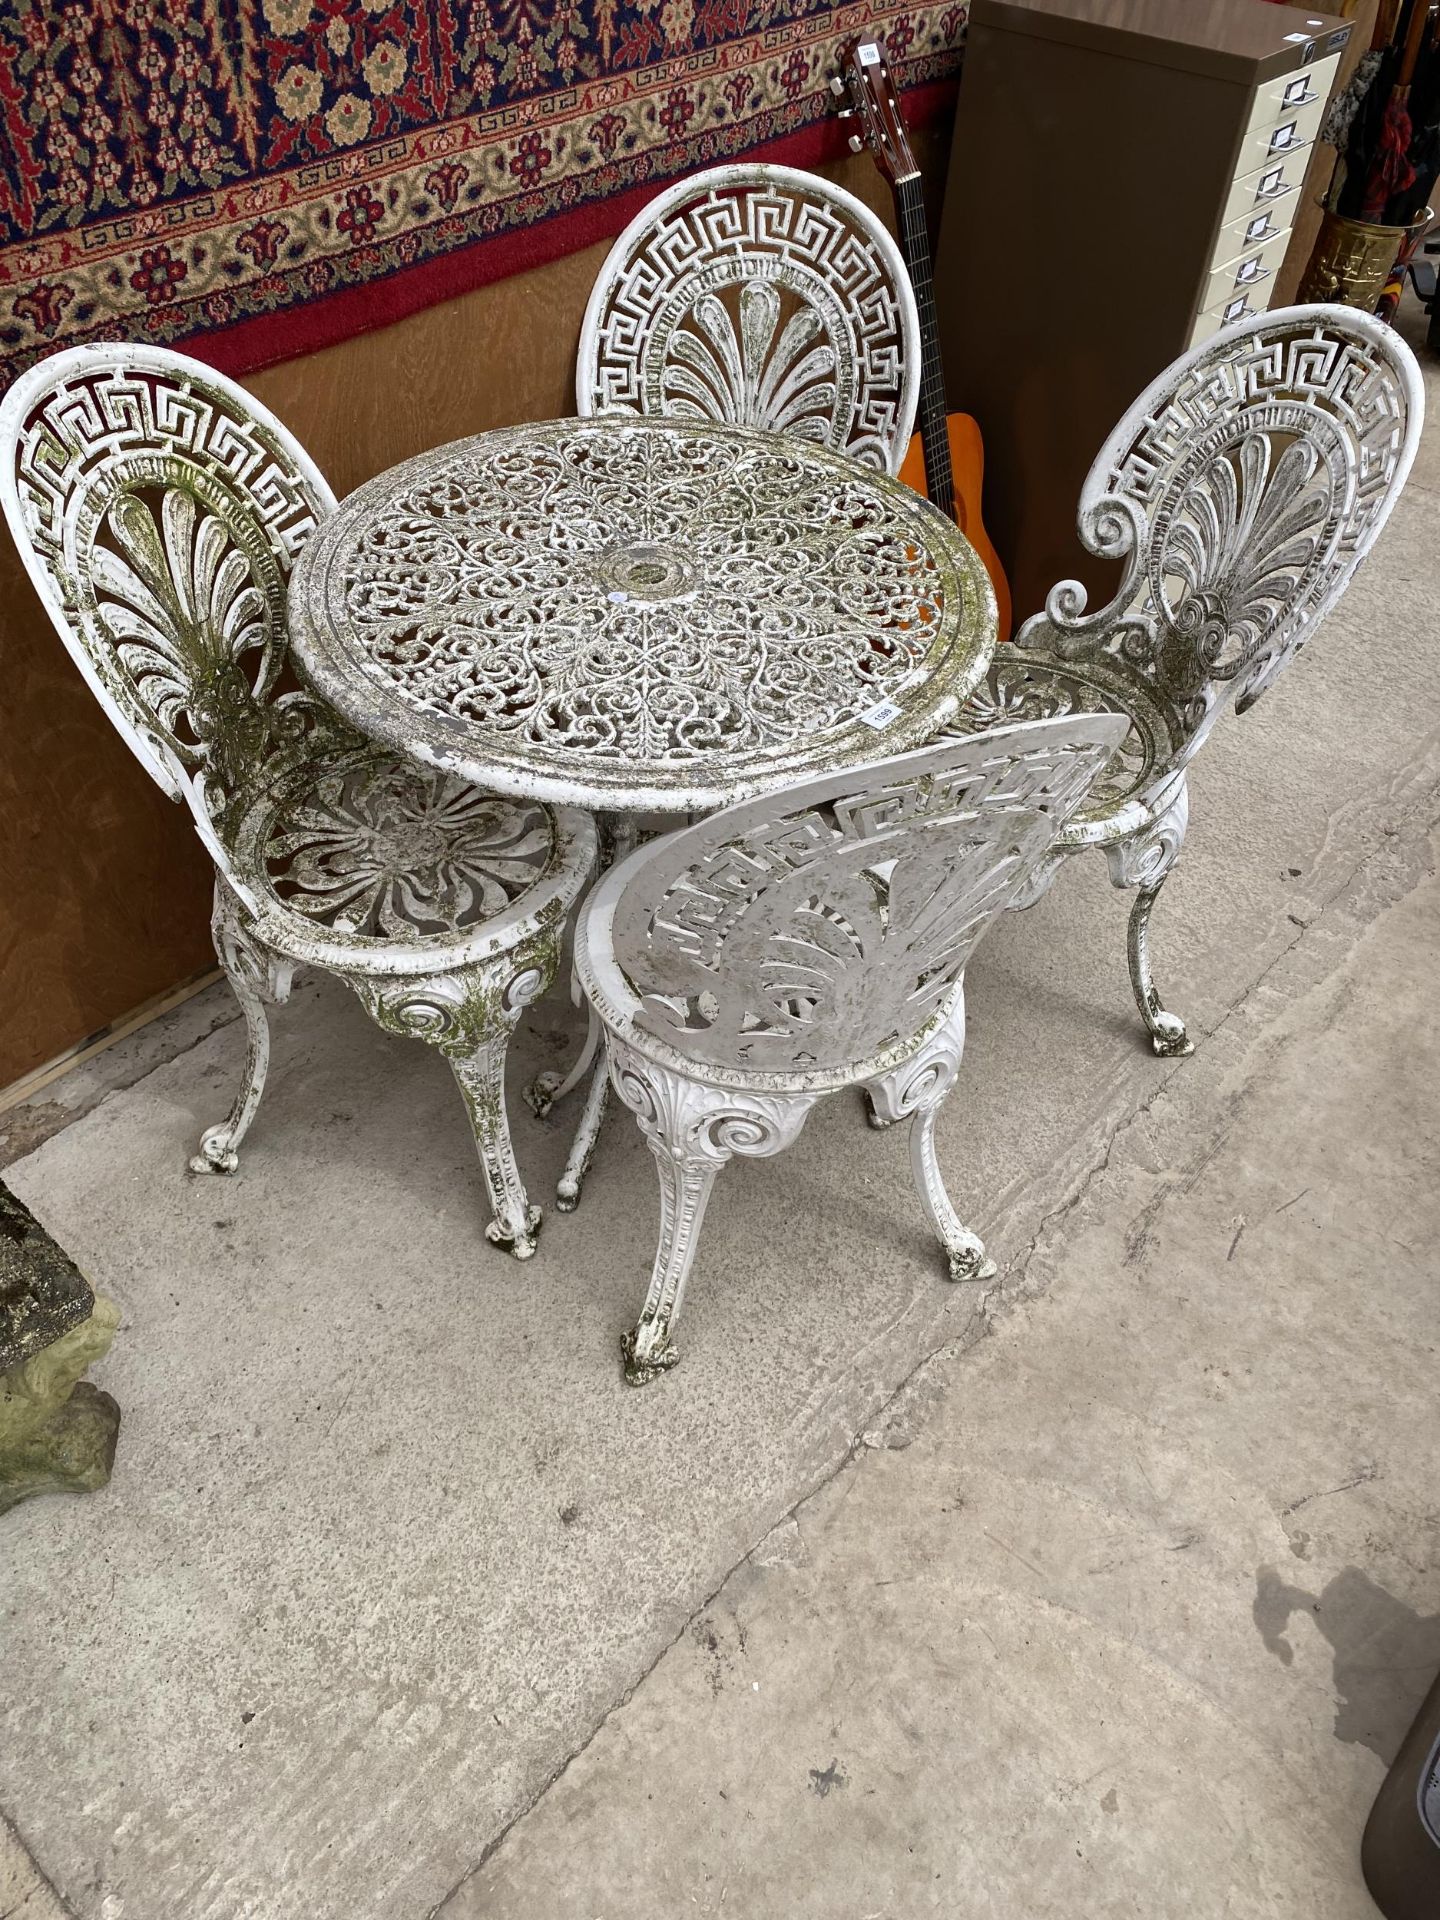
(946, 459)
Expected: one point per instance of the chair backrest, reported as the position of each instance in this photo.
(814, 928)
(763, 297)
(1241, 490)
(159, 510)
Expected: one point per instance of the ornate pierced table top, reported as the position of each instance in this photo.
(640, 614)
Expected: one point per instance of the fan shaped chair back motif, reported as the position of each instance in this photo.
(159, 510)
(1241, 491)
(762, 297)
(812, 930)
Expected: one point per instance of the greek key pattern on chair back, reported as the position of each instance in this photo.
(813, 928)
(159, 510)
(1241, 490)
(762, 297)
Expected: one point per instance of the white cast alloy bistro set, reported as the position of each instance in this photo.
(692, 679)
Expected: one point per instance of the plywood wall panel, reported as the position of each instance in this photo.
(104, 893)
(502, 354)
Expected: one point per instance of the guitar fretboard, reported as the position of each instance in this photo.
(915, 240)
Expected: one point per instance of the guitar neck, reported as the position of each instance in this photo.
(915, 240)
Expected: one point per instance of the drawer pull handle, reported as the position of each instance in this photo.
(1250, 273)
(1299, 93)
(1260, 228)
(1237, 310)
(1286, 137)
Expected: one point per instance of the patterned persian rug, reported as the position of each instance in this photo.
(277, 174)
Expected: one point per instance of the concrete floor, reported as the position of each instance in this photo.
(1116, 1610)
(1125, 1611)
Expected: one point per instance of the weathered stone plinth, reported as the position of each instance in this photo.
(57, 1432)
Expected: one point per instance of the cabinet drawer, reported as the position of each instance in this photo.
(1225, 313)
(1281, 99)
(1247, 273)
(1253, 229)
(1272, 185)
(1292, 133)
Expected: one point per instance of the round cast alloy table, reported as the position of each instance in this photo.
(640, 615)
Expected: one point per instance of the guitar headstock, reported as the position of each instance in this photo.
(865, 77)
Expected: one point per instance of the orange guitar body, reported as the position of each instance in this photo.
(865, 78)
(967, 462)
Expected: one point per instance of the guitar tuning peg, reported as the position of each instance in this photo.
(857, 145)
(845, 113)
(837, 86)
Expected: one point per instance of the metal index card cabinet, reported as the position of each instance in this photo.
(1122, 182)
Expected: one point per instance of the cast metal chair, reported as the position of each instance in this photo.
(159, 510)
(811, 940)
(1241, 491)
(764, 297)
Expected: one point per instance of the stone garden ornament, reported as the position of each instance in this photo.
(57, 1430)
(1241, 491)
(759, 297)
(810, 940)
(159, 511)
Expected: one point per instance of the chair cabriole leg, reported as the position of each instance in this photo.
(693, 1130)
(546, 1088)
(256, 976)
(587, 1135)
(480, 1076)
(220, 1146)
(1144, 861)
(469, 1016)
(1167, 1030)
(619, 833)
(916, 1090)
(685, 1183)
(964, 1250)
